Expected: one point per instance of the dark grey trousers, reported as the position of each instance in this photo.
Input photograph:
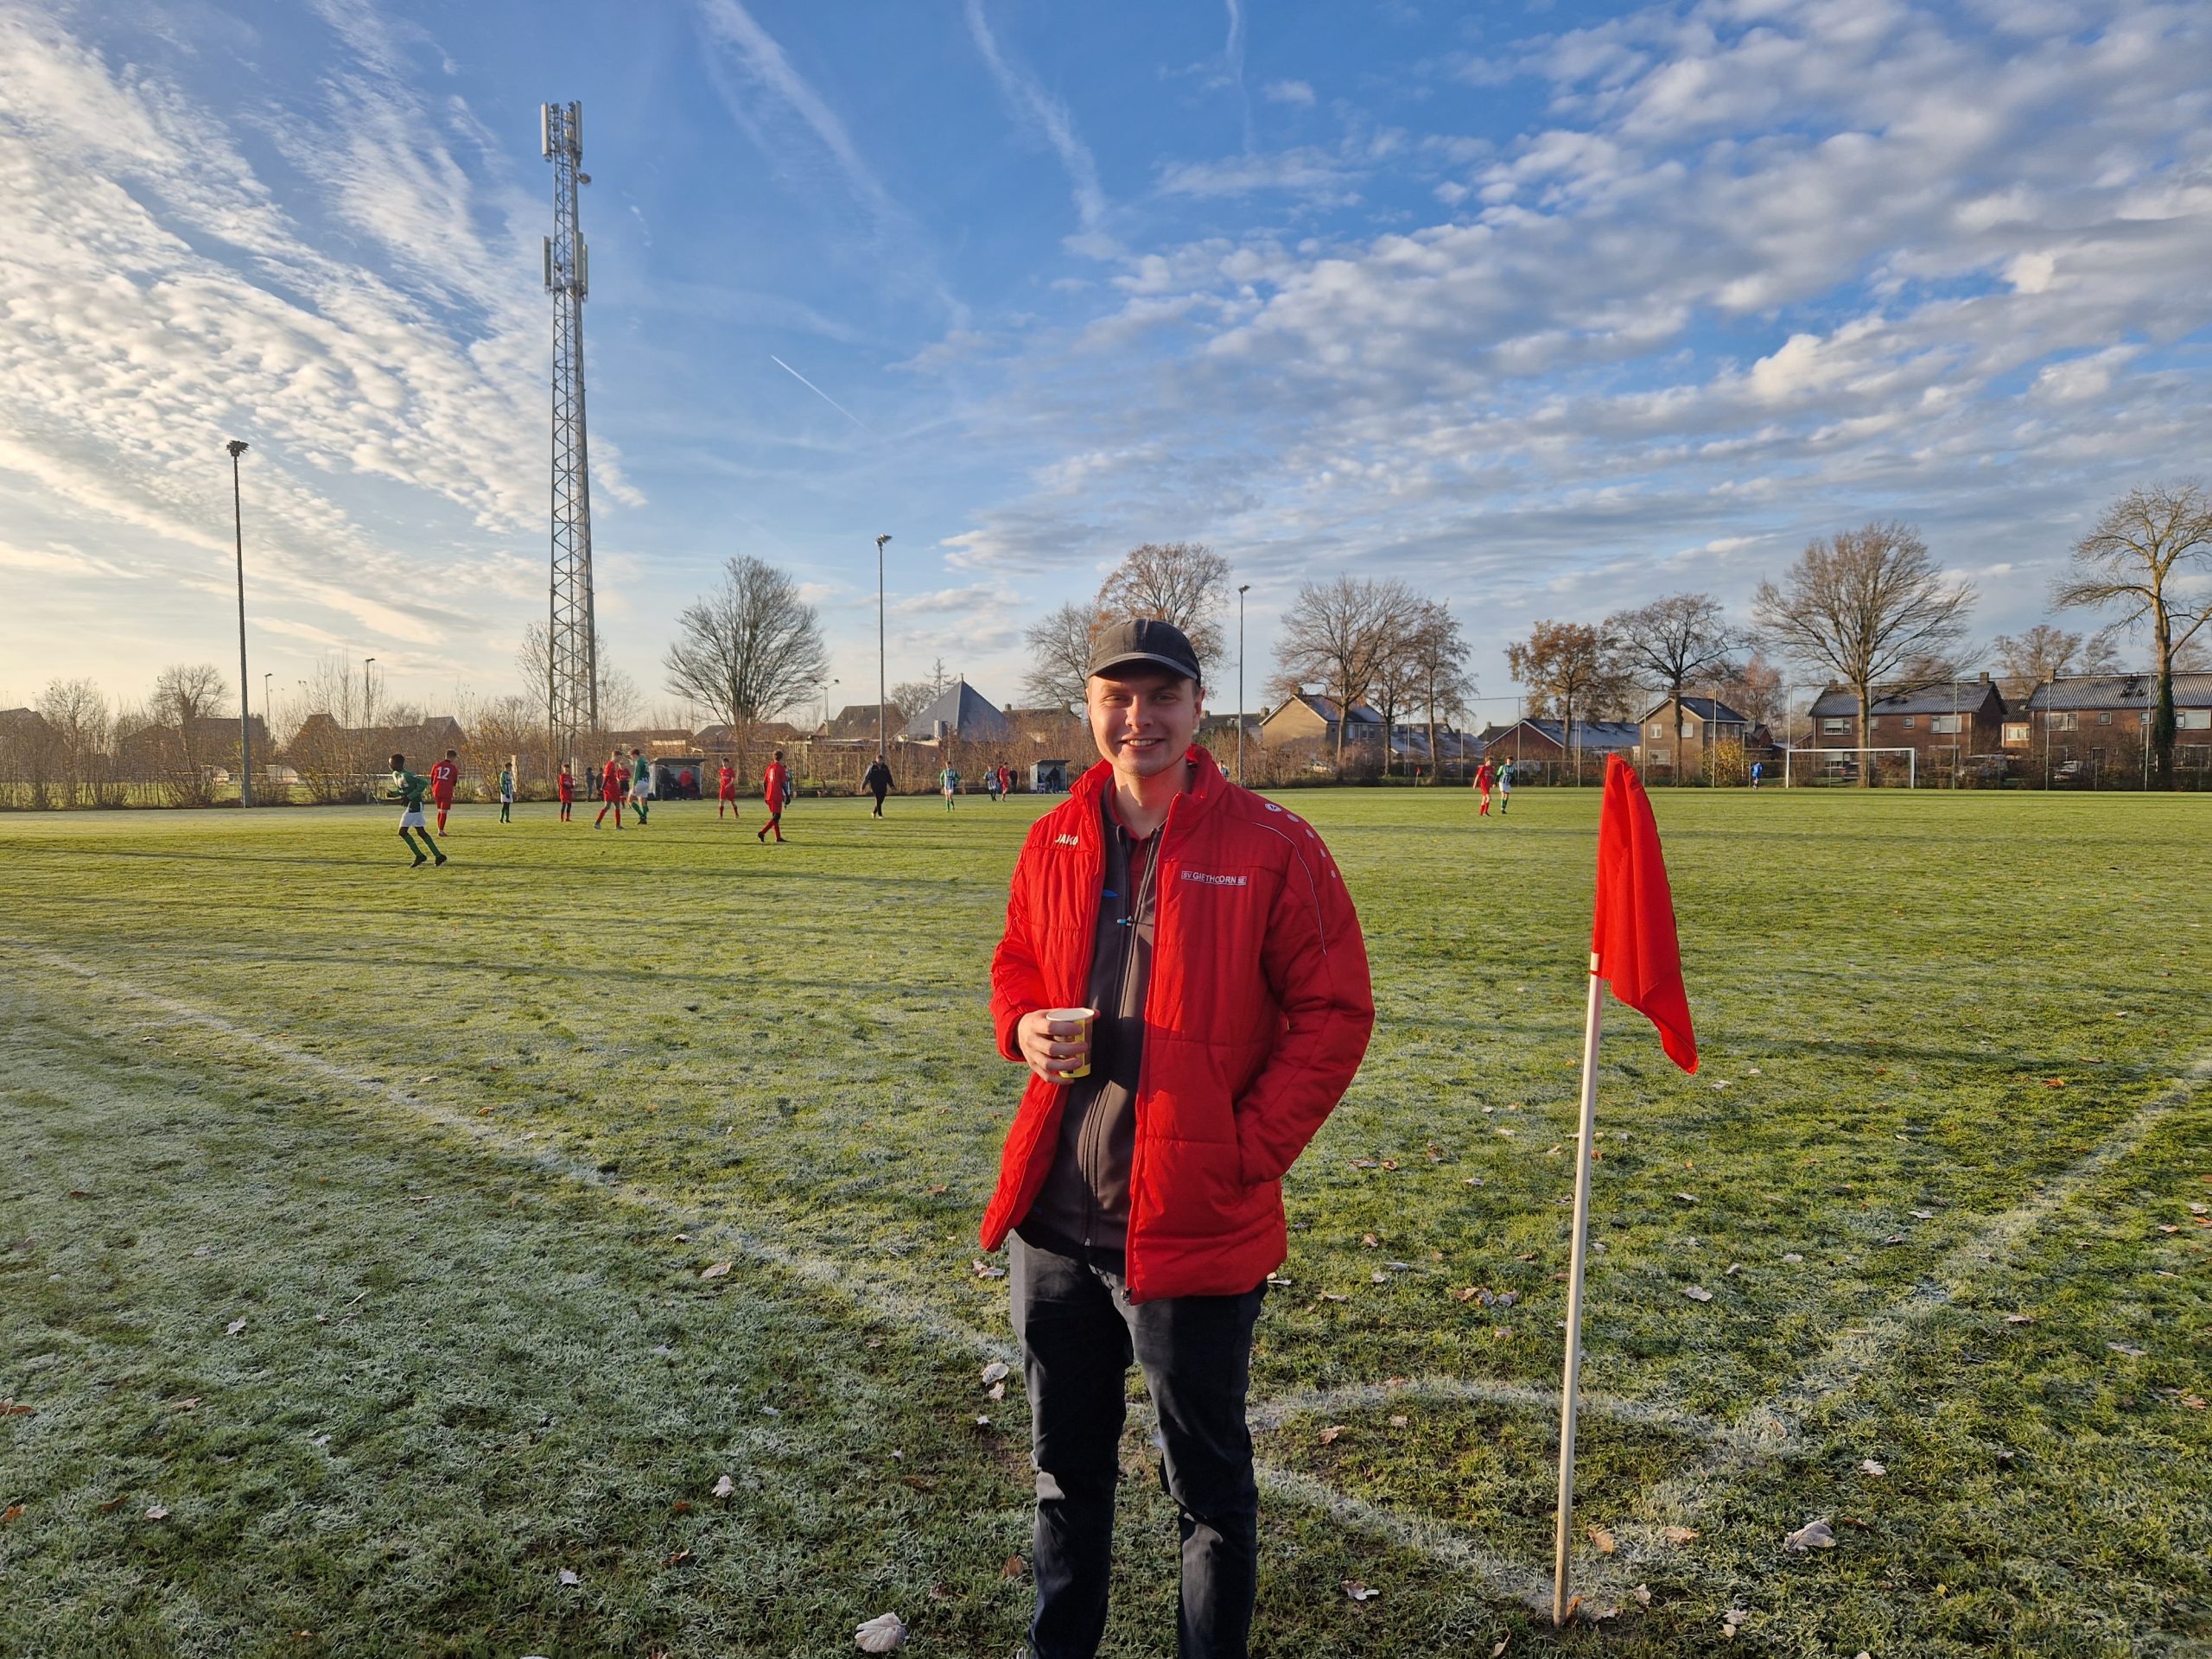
(1079, 1333)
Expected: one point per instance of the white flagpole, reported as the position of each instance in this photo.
(1571, 1382)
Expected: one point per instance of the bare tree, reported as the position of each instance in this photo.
(2043, 653)
(618, 698)
(1861, 606)
(750, 649)
(1397, 664)
(1567, 668)
(2137, 561)
(185, 694)
(1673, 641)
(1753, 688)
(1059, 656)
(914, 696)
(1331, 637)
(1183, 583)
(77, 712)
(1437, 649)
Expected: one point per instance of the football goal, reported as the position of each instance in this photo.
(1888, 768)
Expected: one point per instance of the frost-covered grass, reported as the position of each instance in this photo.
(462, 1115)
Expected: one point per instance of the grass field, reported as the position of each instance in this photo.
(356, 1217)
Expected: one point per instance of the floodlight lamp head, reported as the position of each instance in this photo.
(880, 541)
(236, 447)
(1244, 587)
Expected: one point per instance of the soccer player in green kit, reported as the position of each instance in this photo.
(408, 790)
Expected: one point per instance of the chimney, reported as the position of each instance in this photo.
(1985, 676)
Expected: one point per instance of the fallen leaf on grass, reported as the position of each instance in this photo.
(984, 1270)
(1868, 1466)
(1334, 1296)
(880, 1634)
(725, 1488)
(1368, 1241)
(1730, 1620)
(9, 1408)
(1894, 1238)
(1473, 1181)
(2194, 1402)
(1390, 1163)
(1814, 1535)
(936, 1191)
(1679, 1535)
(1923, 1215)
(996, 1371)
(1400, 1420)
(679, 1558)
(1792, 1257)
(1687, 1198)
(1329, 1434)
(1378, 1277)
(1363, 1163)
(716, 1270)
(1498, 1646)
(12, 1513)
(1734, 1267)
(997, 1391)
(192, 1404)
(570, 1577)
(157, 1513)
(2168, 1227)
(1013, 1568)
(2019, 1318)
(234, 1327)
(983, 1419)
(1601, 1537)
(1359, 1592)
(1697, 1293)
(1643, 1594)
(2128, 1348)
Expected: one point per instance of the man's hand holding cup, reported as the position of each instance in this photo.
(1057, 1042)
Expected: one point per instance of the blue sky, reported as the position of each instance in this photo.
(1547, 309)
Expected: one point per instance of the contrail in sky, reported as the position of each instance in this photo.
(822, 395)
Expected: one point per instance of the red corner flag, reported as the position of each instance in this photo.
(1633, 936)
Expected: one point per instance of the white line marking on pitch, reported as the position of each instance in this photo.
(842, 1277)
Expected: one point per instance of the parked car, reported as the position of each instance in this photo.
(2071, 773)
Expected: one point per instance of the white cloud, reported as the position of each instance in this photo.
(1297, 93)
(1047, 114)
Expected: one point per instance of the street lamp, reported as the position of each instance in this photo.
(1241, 590)
(882, 740)
(826, 684)
(368, 696)
(236, 447)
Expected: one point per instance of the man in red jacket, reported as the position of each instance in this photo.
(1211, 933)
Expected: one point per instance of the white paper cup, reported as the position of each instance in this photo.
(1085, 1015)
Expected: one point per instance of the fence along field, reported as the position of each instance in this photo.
(1936, 1178)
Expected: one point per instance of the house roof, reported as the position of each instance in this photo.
(2120, 691)
(1945, 696)
(965, 710)
(1327, 708)
(1707, 708)
(1589, 734)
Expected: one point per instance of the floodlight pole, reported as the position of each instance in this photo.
(1241, 592)
(238, 446)
(882, 739)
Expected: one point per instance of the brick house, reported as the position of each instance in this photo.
(1309, 718)
(1704, 721)
(1951, 717)
(1542, 750)
(2100, 724)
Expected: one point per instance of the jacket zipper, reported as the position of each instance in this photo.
(1094, 1133)
(1144, 1065)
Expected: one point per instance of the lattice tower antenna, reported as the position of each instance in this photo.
(572, 643)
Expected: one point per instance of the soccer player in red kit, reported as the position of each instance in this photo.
(568, 791)
(443, 777)
(726, 789)
(613, 785)
(773, 782)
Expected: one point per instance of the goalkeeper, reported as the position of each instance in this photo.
(408, 790)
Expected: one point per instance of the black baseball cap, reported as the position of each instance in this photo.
(1143, 642)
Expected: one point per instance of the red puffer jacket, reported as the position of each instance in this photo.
(1256, 1014)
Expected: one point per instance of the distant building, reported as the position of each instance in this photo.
(1543, 750)
(961, 712)
(1962, 717)
(2101, 722)
(1308, 717)
(1704, 722)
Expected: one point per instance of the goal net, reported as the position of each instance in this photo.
(1898, 768)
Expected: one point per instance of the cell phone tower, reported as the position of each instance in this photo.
(572, 642)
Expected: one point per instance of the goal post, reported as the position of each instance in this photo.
(1810, 766)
